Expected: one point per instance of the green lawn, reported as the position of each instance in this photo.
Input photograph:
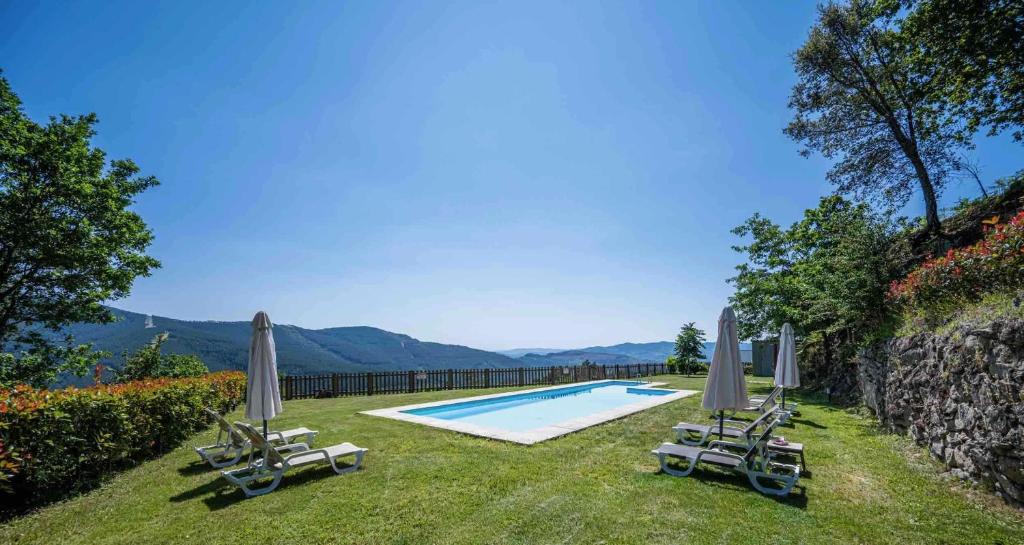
(424, 485)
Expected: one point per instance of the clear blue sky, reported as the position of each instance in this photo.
(496, 175)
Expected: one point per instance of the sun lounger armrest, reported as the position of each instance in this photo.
(275, 436)
(293, 448)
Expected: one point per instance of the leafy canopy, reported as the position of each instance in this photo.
(973, 51)
(826, 273)
(861, 100)
(68, 241)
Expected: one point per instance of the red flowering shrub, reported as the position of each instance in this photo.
(993, 264)
(57, 442)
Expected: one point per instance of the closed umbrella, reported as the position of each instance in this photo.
(787, 375)
(262, 398)
(726, 387)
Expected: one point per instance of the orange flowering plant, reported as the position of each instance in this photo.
(994, 263)
(56, 442)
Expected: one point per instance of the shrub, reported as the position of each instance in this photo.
(150, 362)
(940, 284)
(54, 443)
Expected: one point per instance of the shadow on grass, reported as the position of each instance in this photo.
(198, 468)
(218, 493)
(740, 483)
(804, 422)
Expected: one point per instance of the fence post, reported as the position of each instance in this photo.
(369, 384)
(487, 378)
(412, 381)
(522, 379)
(335, 384)
(451, 379)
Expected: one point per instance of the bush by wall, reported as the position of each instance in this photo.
(941, 284)
(54, 443)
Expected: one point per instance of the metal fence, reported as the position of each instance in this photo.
(407, 382)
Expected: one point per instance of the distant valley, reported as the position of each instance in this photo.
(619, 354)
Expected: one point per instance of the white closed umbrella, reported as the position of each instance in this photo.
(263, 396)
(787, 375)
(726, 388)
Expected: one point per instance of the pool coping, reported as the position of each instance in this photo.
(536, 435)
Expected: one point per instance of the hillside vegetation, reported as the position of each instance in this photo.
(224, 345)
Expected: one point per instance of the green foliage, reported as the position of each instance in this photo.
(861, 100)
(149, 362)
(689, 348)
(827, 274)
(972, 52)
(68, 241)
(38, 366)
(56, 443)
(672, 364)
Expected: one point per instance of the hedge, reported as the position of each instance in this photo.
(55, 443)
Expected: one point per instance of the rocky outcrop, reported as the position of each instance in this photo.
(961, 394)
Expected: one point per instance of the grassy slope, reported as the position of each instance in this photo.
(424, 485)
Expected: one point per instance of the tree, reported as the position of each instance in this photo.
(689, 348)
(150, 362)
(861, 99)
(827, 275)
(68, 241)
(974, 53)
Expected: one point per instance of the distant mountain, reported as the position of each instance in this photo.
(642, 352)
(618, 354)
(574, 357)
(224, 345)
(519, 352)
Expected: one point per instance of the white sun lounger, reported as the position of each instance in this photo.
(275, 464)
(753, 462)
(698, 434)
(790, 406)
(231, 444)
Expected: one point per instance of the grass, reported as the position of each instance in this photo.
(424, 485)
(994, 306)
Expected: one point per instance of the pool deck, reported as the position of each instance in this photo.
(536, 435)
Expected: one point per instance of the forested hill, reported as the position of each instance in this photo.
(224, 345)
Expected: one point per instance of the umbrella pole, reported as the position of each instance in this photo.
(721, 425)
(783, 399)
(264, 428)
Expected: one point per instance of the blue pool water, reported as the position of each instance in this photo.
(531, 410)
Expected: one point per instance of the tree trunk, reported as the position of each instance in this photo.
(931, 206)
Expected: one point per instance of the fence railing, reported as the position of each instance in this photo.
(407, 382)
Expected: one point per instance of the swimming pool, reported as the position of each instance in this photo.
(536, 415)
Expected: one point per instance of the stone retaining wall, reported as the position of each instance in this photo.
(959, 394)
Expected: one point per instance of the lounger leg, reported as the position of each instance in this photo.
(355, 465)
(217, 460)
(787, 483)
(663, 459)
(243, 482)
(684, 438)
